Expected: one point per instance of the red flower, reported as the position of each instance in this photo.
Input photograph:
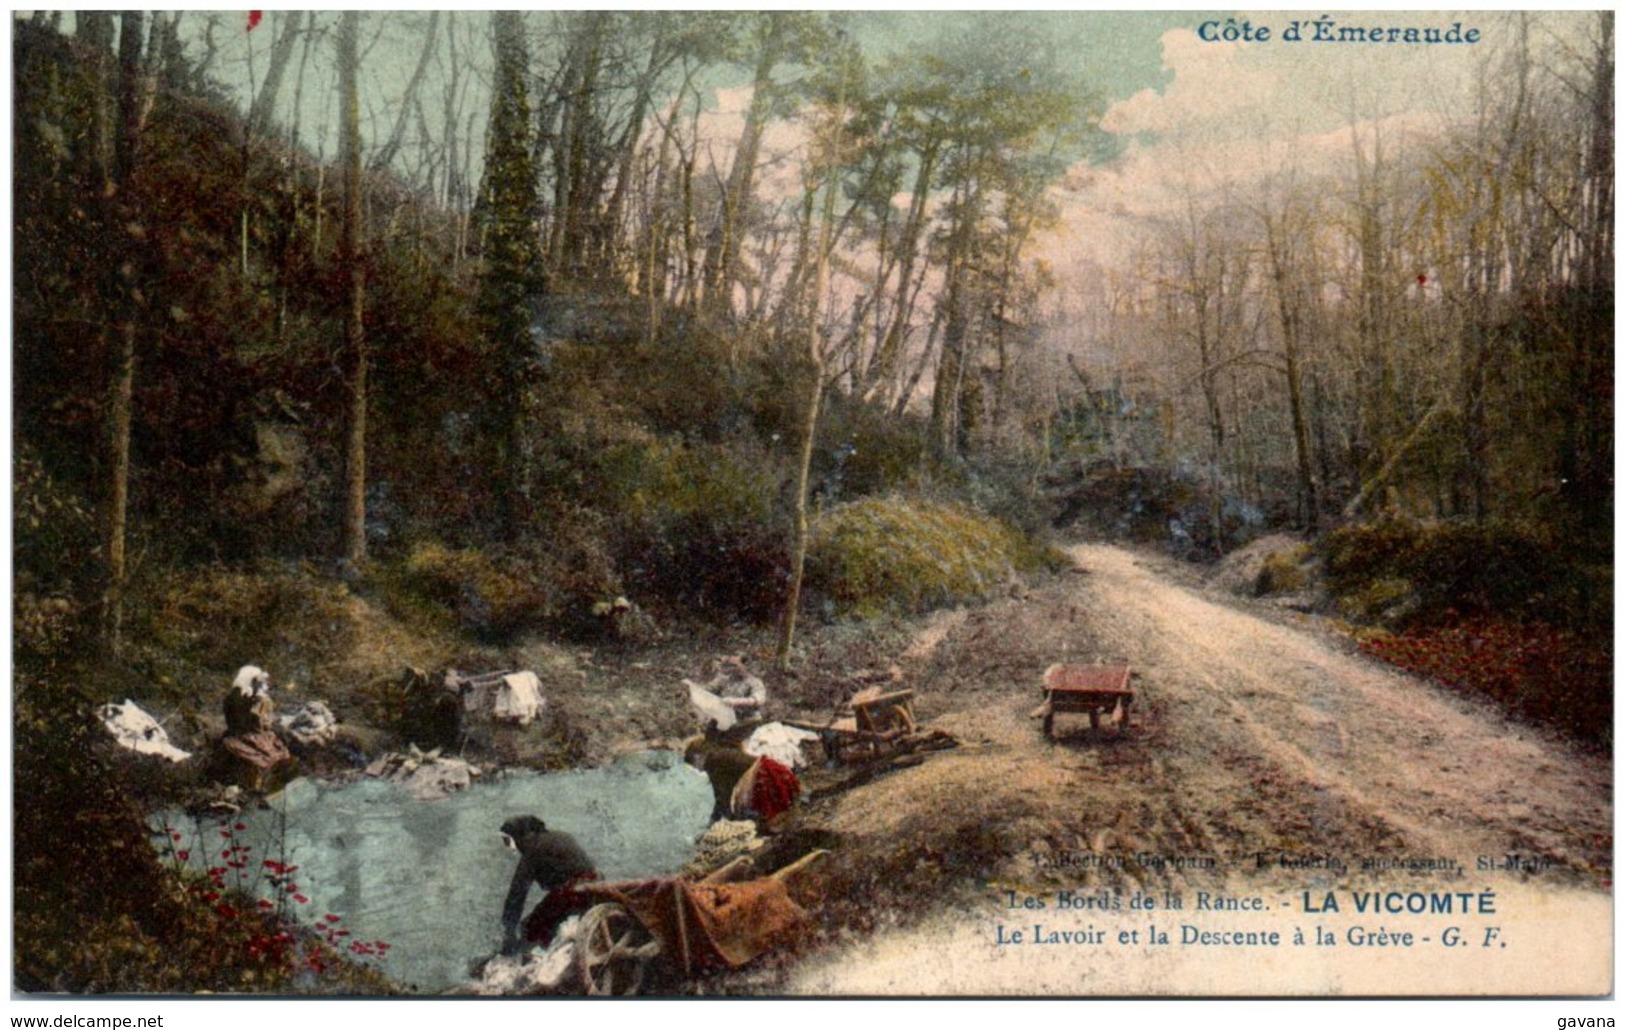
(254, 20)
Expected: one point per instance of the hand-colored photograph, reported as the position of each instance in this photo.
(810, 505)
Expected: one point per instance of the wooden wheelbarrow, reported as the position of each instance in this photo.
(874, 722)
(724, 919)
(1095, 690)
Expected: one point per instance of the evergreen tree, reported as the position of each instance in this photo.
(510, 281)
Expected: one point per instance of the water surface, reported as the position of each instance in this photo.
(428, 877)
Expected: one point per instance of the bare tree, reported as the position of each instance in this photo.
(827, 178)
(385, 155)
(354, 537)
(263, 107)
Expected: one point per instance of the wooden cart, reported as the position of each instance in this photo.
(616, 947)
(872, 723)
(1094, 690)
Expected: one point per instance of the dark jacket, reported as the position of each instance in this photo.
(547, 858)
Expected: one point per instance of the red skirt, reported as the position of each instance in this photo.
(561, 903)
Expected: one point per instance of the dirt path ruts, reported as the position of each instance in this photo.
(1450, 777)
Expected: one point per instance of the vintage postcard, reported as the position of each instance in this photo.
(818, 504)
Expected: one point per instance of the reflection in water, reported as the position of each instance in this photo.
(428, 877)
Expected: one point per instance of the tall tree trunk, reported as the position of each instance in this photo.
(1215, 433)
(1288, 298)
(947, 408)
(1585, 456)
(573, 103)
(354, 539)
(723, 248)
(815, 385)
(264, 105)
(889, 355)
(905, 393)
(511, 279)
(1376, 360)
(118, 159)
(627, 147)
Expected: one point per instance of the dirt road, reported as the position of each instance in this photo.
(1389, 763)
(1267, 761)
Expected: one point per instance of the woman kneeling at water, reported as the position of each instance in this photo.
(552, 861)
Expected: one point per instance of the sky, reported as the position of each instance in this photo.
(1249, 116)
(1188, 108)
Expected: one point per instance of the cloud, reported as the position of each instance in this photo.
(1240, 119)
(1213, 84)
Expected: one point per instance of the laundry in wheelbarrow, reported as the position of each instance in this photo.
(704, 926)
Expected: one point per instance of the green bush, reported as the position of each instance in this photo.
(43, 625)
(890, 554)
(664, 480)
(1463, 568)
(864, 451)
(1282, 573)
(494, 593)
(1388, 600)
(216, 615)
(49, 521)
(697, 527)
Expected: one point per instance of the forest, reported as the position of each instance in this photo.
(512, 323)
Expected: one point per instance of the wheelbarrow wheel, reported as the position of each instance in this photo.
(613, 951)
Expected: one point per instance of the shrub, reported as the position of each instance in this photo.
(1282, 573)
(697, 527)
(1457, 569)
(492, 593)
(43, 625)
(666, 479)
(1386, 600)
(884, 554)
(864, 451)
(1361, 553)
(49, 521)
(215, 615)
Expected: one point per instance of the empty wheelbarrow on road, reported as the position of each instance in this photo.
(1094, 690)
